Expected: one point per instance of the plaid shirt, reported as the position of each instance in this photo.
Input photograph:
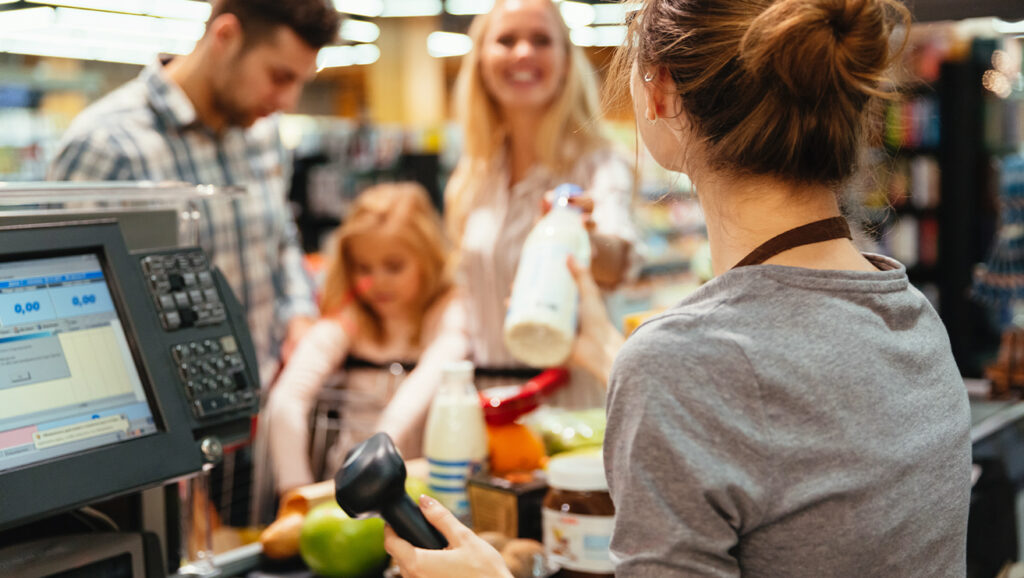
(148, 130)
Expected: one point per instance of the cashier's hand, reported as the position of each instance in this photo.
(599, 340)
(467, 556)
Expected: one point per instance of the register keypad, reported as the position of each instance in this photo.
(213, 373)
(182, 287)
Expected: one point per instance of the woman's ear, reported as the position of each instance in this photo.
(659, 94)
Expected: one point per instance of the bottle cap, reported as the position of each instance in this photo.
(578, 472)
(460, 371)
(566, 191)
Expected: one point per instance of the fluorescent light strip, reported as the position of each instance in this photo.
(63, 48)
(610, 13)
(366, 53)
(598, 36)
(445, 44)
(576, 14)
(370, 8)
(91, 20)
(1008, 28)
(174, 9)
(335, 56)
(359, 31)
(26, 19)
(467, 7)
(147, 46)
(407, 8)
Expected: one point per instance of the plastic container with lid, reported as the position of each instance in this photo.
(578, 516)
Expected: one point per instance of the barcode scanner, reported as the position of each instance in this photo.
(372, 479)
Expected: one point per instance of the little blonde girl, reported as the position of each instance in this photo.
(387, 298)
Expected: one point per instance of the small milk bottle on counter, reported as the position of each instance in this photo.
(455, 440)
(540, 324)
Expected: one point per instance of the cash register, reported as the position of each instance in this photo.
(119, 371)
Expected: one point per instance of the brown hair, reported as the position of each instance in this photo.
(404, 211)
(780, 88)
(316, 22)
(568, 130)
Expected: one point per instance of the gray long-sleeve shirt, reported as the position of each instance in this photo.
(794, 423)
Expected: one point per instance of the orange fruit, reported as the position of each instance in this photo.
(514, 448)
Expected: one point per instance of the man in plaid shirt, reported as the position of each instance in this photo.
(208, 118)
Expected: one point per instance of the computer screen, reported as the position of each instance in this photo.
(91, 402)
(68, 381)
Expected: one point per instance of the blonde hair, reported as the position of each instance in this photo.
(403, 210)
(568, 129)
(788, 88)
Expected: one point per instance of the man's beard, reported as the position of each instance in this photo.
(226, 106)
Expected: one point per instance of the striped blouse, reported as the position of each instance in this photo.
(496, 229)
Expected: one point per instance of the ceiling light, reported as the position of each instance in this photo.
(177, 9)
(335, 56)
(598, 36)
(444, 44)
(76, 49)
(583, 36)
(407, 8)
(576, 14)
(91, 20)
(359, 31)
(366, 53)
(1008, 28)
(613, 13)
(369, 8)
(464, 7)
(26, 19)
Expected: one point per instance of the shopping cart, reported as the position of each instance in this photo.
(347, 411)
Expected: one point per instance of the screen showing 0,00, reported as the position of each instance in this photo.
(68, 382)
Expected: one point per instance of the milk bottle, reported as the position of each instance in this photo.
(455, 440)
(540, 325)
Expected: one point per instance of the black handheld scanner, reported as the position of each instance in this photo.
(372, 479)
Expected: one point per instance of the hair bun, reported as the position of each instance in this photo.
(820, 49)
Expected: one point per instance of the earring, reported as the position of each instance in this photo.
(649, 76)
(650, 120)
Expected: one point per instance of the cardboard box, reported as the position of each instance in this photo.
(512, 508)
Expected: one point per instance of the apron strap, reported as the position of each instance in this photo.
(816, 232)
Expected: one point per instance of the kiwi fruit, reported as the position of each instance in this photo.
(520, 556)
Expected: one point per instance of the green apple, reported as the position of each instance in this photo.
(334, 545)
(416, 487)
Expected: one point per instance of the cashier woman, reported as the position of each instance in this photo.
(801, 414)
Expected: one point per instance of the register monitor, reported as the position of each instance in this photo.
(113, 372)
(68, 382)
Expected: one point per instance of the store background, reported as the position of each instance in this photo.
(379, 110)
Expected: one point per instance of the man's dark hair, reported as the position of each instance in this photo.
(316, 22)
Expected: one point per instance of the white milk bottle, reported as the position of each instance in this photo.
(455, 440)
(540, 325)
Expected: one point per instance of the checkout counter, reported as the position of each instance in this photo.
(123, 366)
(127, 366)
